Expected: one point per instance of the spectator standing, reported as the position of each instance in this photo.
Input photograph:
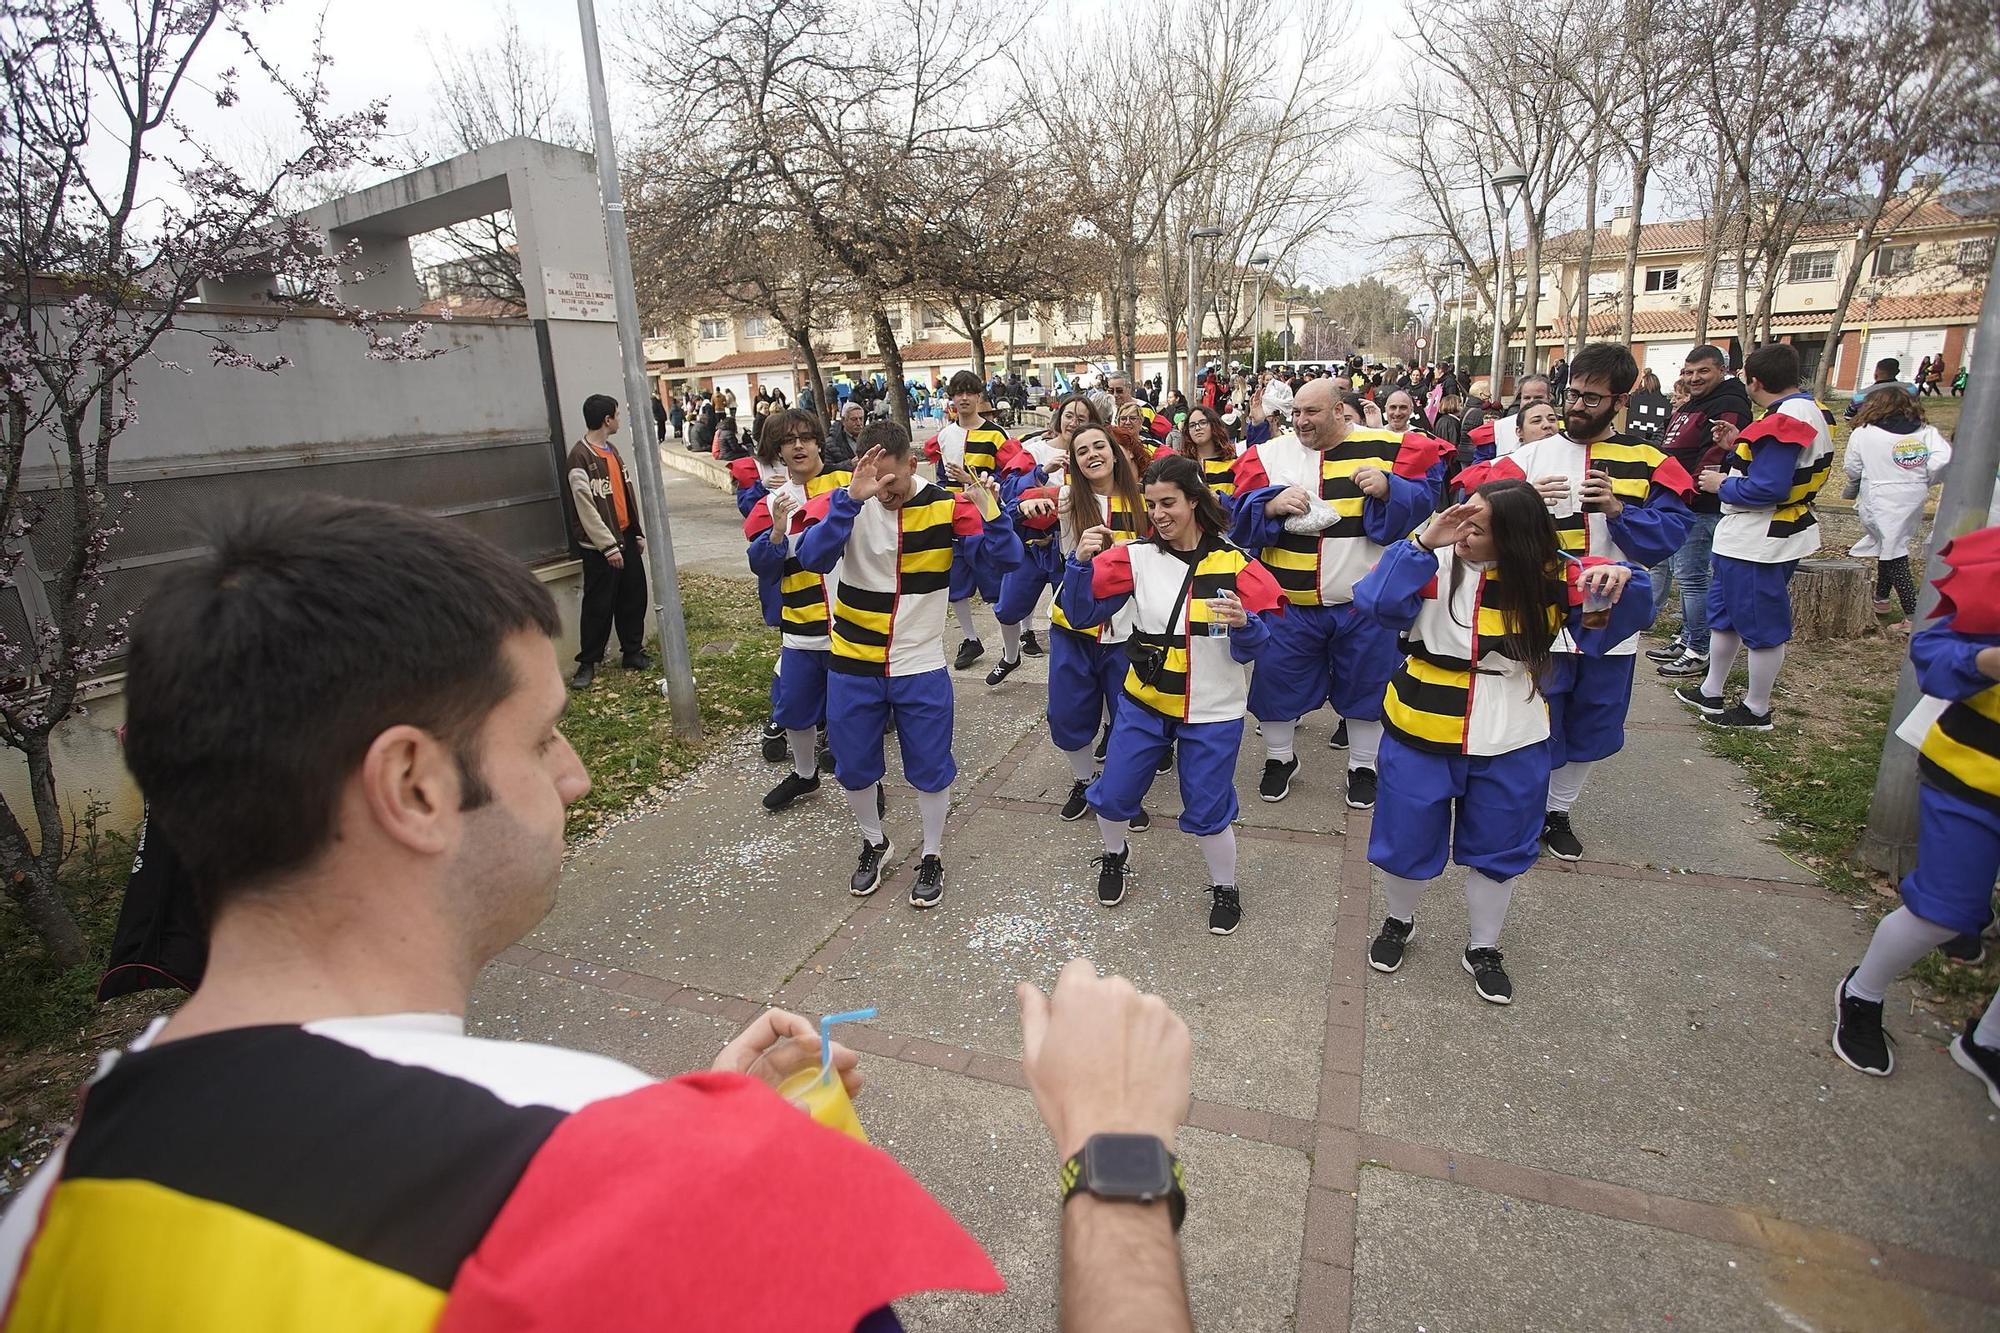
(1893, 459)
(841, 450)
(1714, 395)
(1958, 383)
(1887, 375)
(1558, 378)
(659, 417)
(677, 414)
(604, 533)
(1932, 381)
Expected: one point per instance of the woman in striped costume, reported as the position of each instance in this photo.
(1207, 440)
(1039, 462)
(1478, 596)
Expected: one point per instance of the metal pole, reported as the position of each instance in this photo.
(1458, 322)
(678, 683)
(1257, 333)
(1502, 288)
(1890, 843)
(1194, 322)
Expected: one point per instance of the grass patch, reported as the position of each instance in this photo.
(40, 1000)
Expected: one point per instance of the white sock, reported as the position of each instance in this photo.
(1486, 903)
(1219, 850)
(1082, 762)
(1764, 664)
(1566, 784)
(862, 802)
(1723, 645)
(1364, 742)
(963, 610)
(1113, 832)
(932, 807)
(1010, 643)
(1901, 939)
(805, 750)
(1403, 895)
(1278, 737)
(1987, 1034)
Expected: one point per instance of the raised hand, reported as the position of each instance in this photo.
(866, 482)
(1093, 541)
(1448, 526)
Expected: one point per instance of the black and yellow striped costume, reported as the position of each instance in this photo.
(1298, 560)
(866, 607)
(802, 593)
(1429, 702)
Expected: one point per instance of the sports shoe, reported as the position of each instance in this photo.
(1001, 670)
(1103, 744)
(1559, 838)
(1691, 695)
(1739, 718)
(790, 790)
(585, 673)
(1338, 740)
(1488, 977)
(867, 875)
(1077, 806)
(1667, 652)
(1982, 1062)
(1114, 870)
(1140, 823)
(1031, 646)
(1276, 783)
(1687, 664)
(1883, 606)
(928, 891)
(1386, 953)
(1166, 764)
(635, 661)
(1858, 1038)
(1361, 789)
(1965, 950)
(1226, 912)
(773, 744)
(823, 755)
(969, 651)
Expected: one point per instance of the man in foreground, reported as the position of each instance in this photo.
(347, 720)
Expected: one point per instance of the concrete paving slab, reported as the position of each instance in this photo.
(517, 1004)
(1674, 1039)
(1021, 902)
(1445, 1258)
(980, 1149)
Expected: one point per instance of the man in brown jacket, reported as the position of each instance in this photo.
(604, 531)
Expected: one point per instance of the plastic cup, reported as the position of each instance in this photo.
(1217, 628)
(821, 1095)
(1596, 609)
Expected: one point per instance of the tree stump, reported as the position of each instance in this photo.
(1830, 600)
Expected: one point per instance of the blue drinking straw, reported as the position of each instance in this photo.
(826, 1037)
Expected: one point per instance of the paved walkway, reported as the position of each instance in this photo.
(1654, 1134)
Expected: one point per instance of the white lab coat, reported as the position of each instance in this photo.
(1895, 472)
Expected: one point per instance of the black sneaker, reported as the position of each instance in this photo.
(823, 755)
(1226, 912)
(1558, 838)
(1706, 704)
(774, 746)
(791, 789)
(1338, 740)
(635, 661)
(868, 870)
(1982, 1062)
(587, 672)
(1488, 977)
(1140, 822)
(1361, 789)
(1687, 664)
(969, 651)
(1965, 950)
(1031, 646)
(881, 800)
(1667, 652)
(1077, 806)
(1386, 953)
(1858, 1038)
(1103, 744)
(1114, 869)
(1738, 717)
(1001, 670)
(1166, 764)
(1276, 783)
(928, 891)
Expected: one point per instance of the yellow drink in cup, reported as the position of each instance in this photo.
(823, 1096)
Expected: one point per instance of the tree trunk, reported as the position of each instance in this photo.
(1581, 333)
(1170, 311)
(802, 340)
(1862, 243)
(32, 878)
(1830, 600)
(1531, 318)
(892, 365)
(1642, 167)
(1743, 273)
(1711, 254)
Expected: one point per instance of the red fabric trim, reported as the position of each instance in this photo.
(1970, 592)
(1048, 520)
(758, 521)
(1500, 469)
(1670, 475)
(965, 519)
(1250, 474)
(1780, 428)
(1419, 454)
(1111, 573)
(1482, 433)
(744, 472)
(817, 506)
(1017, 461)
(707, 1202)
(1573, 572)
(1257, 590)
(932, 451)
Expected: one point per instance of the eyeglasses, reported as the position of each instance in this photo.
(1589, 402)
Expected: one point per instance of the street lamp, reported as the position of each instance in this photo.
(1507, 184)
(1457, 267)
(1209, 233)
(1264, 261)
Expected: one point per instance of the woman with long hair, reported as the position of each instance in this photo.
(1894, 457)
(1194, 610)
(1207, 440)
(1039, 462)
(1478, 596)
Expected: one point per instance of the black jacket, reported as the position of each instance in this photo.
(1689, 439)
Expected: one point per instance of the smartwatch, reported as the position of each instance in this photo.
(1130, 1168)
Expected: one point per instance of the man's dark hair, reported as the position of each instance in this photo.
(260, 673)
(964, 381)
(1888, 368)
(1707, 352)
(1610, 362)
(781, 428)
(888, 436)
(598, 408)
(1775, 366)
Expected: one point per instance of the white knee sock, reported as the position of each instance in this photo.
(1566, 784)
(805, 745)
(862, 802)
(1082, 762)
(1364, 742)
(1010, 643)
(1278, 737)
(1987, 1034)
(1486, 903)
(1901, 939)
(1219, 850)
(932, 807)
(1113, 832)
(1764, 664)
(963, 610)
(1403, 895)
(1723, 645)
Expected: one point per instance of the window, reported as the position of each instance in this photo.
(1892, 260)
(895, 317)
(1021, 314)
(714, 330)
(1663, 279)
(1607, 282)
(1976, 254)
(1725, 276)
(1812, 266)
(756, 326)
(839, 320)
(933, 317)
(1079, 312)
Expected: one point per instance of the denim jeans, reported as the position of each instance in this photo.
(1689, 568)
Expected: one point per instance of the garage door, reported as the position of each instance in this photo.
(1907, 346)
(1666, 360)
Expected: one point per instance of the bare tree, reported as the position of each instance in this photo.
(1656, 63)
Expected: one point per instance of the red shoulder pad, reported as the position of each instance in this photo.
(1016, 461)
(931, 450)
(1046, 521)
(1257, 590)
(817, 506)
(965, 519)
(1671, 476)
(743, 471)
(1111, 573)
(758, 521)
(1250, 474)
(1419, 454)
(1778, 428)
(1481, 434)
(1500, 469)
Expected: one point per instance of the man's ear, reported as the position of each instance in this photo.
(410, 788)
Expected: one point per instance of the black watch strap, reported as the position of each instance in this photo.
(1073, 1184)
